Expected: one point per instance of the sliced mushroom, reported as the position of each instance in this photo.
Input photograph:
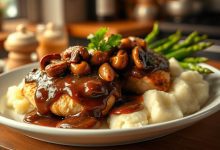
(135, 41)
(82, 68)
(138, 56)
(56, 68)
(75, 54)
(130, 42)
(93, 89)
(79, 122)
(99, 57)
(125, 44)
(110, 102)
(120, 61)
(106, 72)
(46, 60)
(53, 66)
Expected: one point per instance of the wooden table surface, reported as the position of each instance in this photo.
(204, 135)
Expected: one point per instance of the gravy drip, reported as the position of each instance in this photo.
(129, 104)
(51, 120)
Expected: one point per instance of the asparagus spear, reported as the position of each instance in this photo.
(152, 35)
(186, 51)
(158, 43)
(195, 67)
(192, 39)
(162, 41)
(163, 48)
(186, 42)
(195, 59)
(200, 38)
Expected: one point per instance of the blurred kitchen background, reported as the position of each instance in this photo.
(127, 17)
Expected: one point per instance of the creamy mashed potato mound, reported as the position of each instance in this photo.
(135, 119)
(161, 106)
(175, 68)
(184, 96)
(16, 100)
(200, 87)
(188, 93)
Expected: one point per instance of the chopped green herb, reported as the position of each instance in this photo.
(99, 42)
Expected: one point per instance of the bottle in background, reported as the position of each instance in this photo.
(106, 10)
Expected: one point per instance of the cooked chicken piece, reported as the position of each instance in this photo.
(159, 80)
(64, 106)
(150, 71)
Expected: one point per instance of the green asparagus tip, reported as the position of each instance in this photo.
(195, 59)
(195, 67)
(204, 36)
(178, 32)
(152, 35)
(194, 33)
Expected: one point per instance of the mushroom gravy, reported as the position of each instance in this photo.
(89, 91)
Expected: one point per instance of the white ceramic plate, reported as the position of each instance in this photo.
(101, 137)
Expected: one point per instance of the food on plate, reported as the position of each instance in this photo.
(199, 85)
(130, 120)
(16, 100)
(175, 68)
(187, 94)
(151, 71)
(162, 106)
(115, 82)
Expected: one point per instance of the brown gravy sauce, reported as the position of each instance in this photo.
(89, 91)
(51, 120)
(133, 104)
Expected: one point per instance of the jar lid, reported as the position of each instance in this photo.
(52, 32)
(21, 37)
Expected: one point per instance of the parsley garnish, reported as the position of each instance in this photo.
(99, 42)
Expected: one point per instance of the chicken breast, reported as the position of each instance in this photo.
(149, 71)
(64, 106)
(159, 80)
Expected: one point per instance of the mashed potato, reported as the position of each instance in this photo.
(188, 93)
(16, 99)
(175, 68)
(135, 119)
(184, 96)
(161, 106)
(191, 91)
(200, 87)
